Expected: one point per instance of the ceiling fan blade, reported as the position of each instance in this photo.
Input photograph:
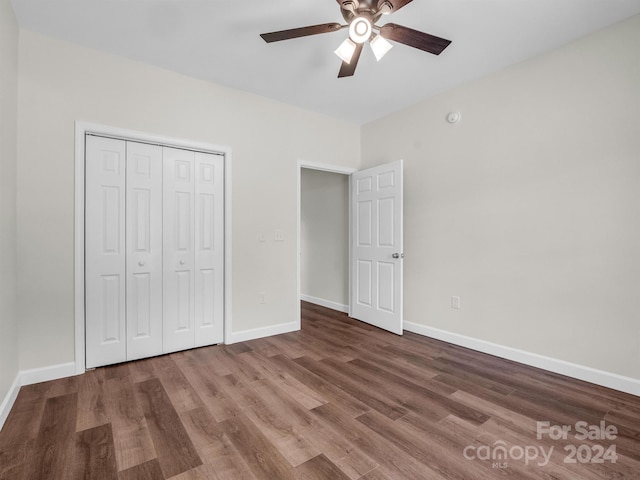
(348, 69)
(300, 32)
(393, 5)
(414, 38)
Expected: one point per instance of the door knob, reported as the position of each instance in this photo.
(181, 262)
(141, 263)
(397, 255)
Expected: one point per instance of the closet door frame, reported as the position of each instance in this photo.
(85, 128)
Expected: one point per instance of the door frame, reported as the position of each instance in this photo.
(324, 167)
(83, 128)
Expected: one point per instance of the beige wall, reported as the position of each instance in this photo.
(529, 207)
(8, 162)
(324, 236)
(61, 83)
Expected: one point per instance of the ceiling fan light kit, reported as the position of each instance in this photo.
(360, 29)
(380, 46)
(346, 50)
(361, 17)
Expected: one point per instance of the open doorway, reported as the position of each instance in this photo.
(323, 236)
(374, 266)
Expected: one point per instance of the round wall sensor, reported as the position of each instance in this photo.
(453, 117)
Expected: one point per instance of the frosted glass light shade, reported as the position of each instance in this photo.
(380, 47)
(346, 50)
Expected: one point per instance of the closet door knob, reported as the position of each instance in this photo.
(141, 263)
(181, 262)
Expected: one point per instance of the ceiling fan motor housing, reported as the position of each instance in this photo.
(368, 9)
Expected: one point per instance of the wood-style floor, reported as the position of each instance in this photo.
(337, 400)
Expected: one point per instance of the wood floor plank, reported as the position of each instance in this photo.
(259, 363)
(292, 348)
(375, 474)
(145, 471)
(283, 405)
(133, 443)
(221, 460)
(175, 450)
(53, 449)
(304, 395)
(23, 422)
(392, 460)
(92, 408)
(320, 347)
(13, 460)
(397, 366)
(202, 428)
(319, 468)
(342, 452)
(227, 462)
(339, 399)
(209, 356)
(141, 370)
(414, 397)
(180, 391)
(358, 390)
(261, 455)
(234, 364)
(117, 372)
(207, 384)
(94, 457)
(328, 390)
(274, 415)
(446, 462)
(262, 346)
(63, 386)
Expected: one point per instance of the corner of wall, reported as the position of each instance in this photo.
(9, 353)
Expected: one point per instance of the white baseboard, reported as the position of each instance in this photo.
(325, 303)
(44, 374)
(28, 377)
(573, 370)
(9, 399)
(252, 334)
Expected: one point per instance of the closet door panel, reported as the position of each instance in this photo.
(105, 299)
(209, 248)
(178, 250)
(144, 250)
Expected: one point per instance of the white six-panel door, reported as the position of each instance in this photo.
(376, 236)
(105, 297)
(209, 248)
(179, 215)
(154, 250)
(144, 250)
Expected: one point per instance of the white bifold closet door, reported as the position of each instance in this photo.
(105, 284)
(154, 251)
(144, 250)
(193, 253)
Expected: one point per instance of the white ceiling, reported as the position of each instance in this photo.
(218, 40)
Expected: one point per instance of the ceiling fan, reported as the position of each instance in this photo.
(361, 17)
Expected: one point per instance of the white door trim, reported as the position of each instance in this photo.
(325, 167)
(81, 129)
